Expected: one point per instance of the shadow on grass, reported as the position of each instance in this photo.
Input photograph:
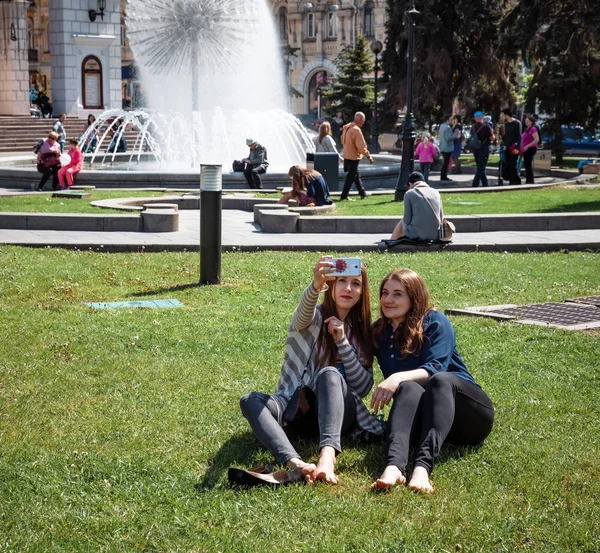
(165, 289)
(569, 208)
(240, 450)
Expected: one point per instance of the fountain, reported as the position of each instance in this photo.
(212, 69)
(213, 76)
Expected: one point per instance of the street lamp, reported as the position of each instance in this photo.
(408, 134)
(376, 48)
(92, 14)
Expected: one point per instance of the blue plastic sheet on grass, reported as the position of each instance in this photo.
(149, 304)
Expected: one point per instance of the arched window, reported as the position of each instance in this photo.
(318, 103)
(283, 24)
(91, 83)
(369, 19)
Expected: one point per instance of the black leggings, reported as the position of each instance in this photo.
(449, 409)
(48, 172)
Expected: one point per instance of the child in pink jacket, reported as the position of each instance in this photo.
(426, 152)
(68, 172)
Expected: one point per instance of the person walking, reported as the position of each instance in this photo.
(59, 129)
(446, 146)
(485, 134)
(337, 125)
(256, 163)
(426, 152)
(512, 146)
(355, 148)
(457, 150)
(529, 142)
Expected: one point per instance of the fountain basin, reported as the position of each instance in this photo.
(20, 172)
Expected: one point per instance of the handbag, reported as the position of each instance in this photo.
(446, 228)
(238, 166)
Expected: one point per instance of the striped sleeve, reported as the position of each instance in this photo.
(305, 312)
(359, 377)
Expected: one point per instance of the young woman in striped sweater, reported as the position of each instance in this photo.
(329, 349)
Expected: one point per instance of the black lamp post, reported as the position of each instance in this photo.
(376, 48)
(92, 14)
(408, 134)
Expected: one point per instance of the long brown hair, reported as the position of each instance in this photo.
(300, 175)
(324, 130)
(408, 339)
(358, 319)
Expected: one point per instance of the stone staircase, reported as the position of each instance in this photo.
(19, 134)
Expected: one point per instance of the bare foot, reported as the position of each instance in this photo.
(391, 476)
(307, 470)
(325, 466)
(419, 481)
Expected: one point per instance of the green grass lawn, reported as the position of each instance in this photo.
(44, 203)
(568, 162)
(548, 200)
(117, 426)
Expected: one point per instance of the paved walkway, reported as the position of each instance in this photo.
(240, 233)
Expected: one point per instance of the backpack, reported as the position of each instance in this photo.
(37, 146)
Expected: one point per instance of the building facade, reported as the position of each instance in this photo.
(77, 51)
(313, 34)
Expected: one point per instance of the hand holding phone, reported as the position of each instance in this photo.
(345, 266)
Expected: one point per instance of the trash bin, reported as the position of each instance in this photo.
(327, 164)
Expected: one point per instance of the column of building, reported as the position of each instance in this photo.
(14, 65)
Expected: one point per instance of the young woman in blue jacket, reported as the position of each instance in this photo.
(435, 399)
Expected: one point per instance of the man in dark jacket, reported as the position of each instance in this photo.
(512, 145)
(256, 163)
(486, 137)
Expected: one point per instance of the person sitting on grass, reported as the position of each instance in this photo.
(48, 162)
(308, 187)
(67, 173)
(435, 399)
(328, 349)
(423, 212)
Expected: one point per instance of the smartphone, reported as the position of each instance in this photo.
(345, 266)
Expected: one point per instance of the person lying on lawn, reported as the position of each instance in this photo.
(435, 399)
(329, 349)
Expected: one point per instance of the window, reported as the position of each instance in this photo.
(331, 24)
(91, 83)
(369, 19)
(283, 24)
(123, 33)
(310, 25)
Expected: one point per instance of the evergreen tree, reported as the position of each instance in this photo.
(351, 91)
(559, 41)
(455, 58)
